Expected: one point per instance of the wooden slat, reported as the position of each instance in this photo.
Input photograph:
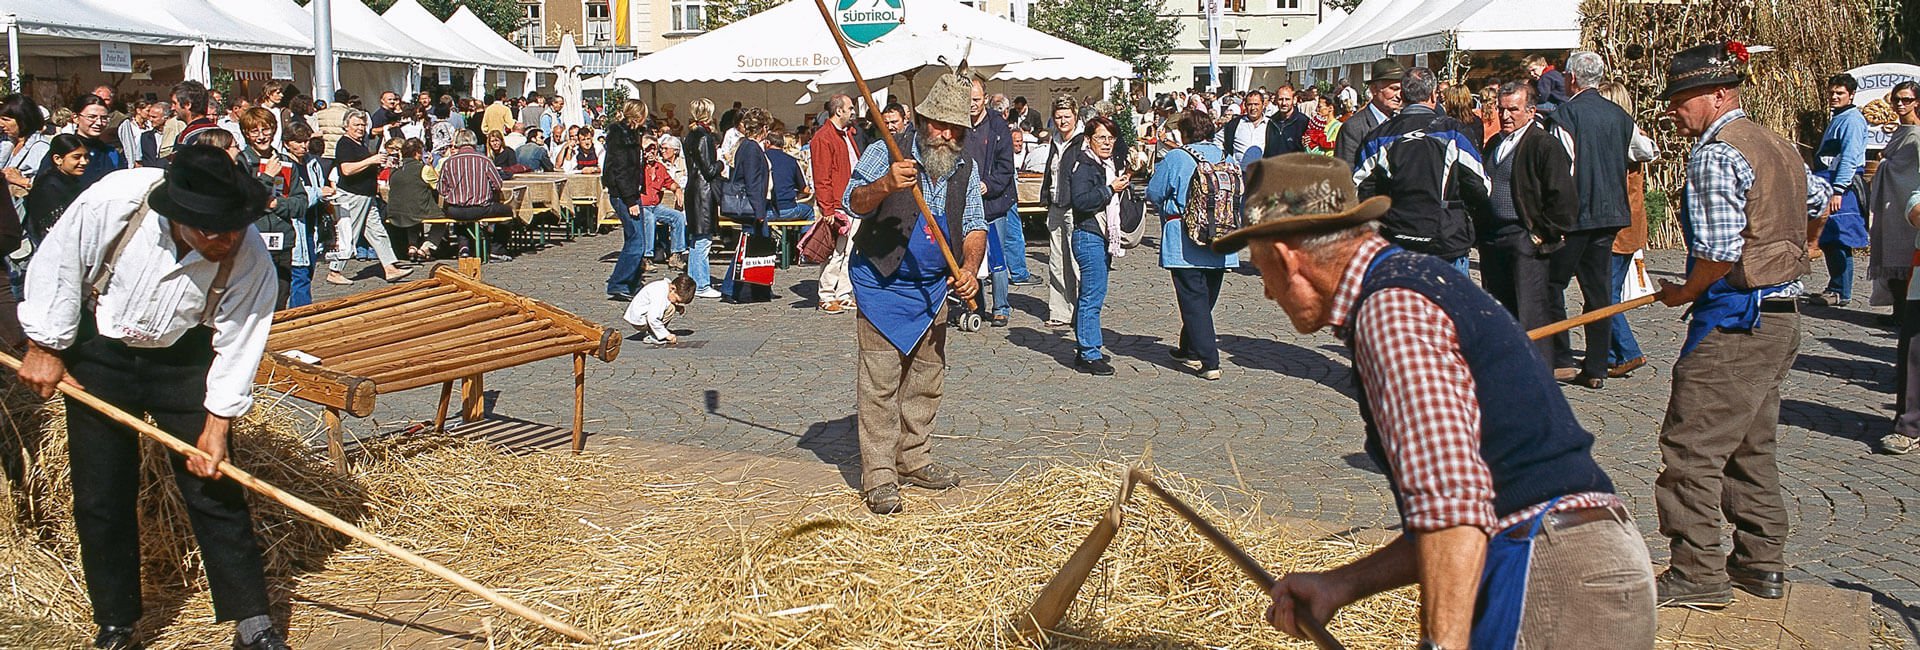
(332, 334)
(452, 359)
(420, 292)
(560, 317)
(364, 296)
(518, 356)
(353, 344)
(319, 385)
(448, 339)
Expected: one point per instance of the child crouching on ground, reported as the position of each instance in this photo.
(657, 303)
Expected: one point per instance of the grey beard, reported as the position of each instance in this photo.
(939, 159)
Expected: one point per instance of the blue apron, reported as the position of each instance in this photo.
(1503, 585)
(996, 258)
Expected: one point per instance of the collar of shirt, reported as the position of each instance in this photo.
(1378, 115)
(1348, 291)
(1713, 130)
(1511, 142)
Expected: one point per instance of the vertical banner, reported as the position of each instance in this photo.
(622, 22)
(283, 66)
(1213, 44)
(116, 57)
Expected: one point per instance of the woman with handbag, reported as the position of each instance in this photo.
(622, 173)
(1095, 185)
(743, 200)
(703, 175)
(1197, 270)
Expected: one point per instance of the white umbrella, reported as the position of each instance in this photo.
(904, 52)
(568, 84)
(198, 67)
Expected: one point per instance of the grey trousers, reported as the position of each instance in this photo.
(356, 217)
(1717, 445)
(1589, 586)
(899, 395)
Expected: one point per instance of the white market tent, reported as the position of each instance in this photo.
(60, 40)
(353, 17)
(1403, 28)
(765, 60)
(1278, 57)
(469, 26)
(417, 22)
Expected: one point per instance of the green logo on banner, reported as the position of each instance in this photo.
(862, 21)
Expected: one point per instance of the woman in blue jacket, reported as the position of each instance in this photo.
(1197, 270)
(1094, 183)
(751, 169)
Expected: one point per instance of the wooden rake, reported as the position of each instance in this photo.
(1050, 606)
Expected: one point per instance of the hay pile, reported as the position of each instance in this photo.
(653, 561)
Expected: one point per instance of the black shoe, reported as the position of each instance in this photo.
(1771, 585)
(1096, 367)
(1031, 281)
(1671, 590)
(268, 640)
(620, 296)
(998, 321)
(114, 637)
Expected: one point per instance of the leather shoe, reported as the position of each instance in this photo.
(933, 477)
(1587, 381)
(1626, 367)
(1565, 374)
(268, 640)
(1771, 585)
(1671, 590)
(884, 500)
(114, 637)
(1095, 367)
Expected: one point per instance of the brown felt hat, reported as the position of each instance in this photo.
(1387, 69)
(1300, 193)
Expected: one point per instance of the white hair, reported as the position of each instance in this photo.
(1586, 68)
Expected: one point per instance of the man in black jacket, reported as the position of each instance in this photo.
(1431, 169)
(989, 145)
(1535, 202)
(1601, 133)
(1384, 88)
(1253, 128)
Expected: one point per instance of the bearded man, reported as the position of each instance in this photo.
(901, 280)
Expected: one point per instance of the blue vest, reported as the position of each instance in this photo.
(1529, 438)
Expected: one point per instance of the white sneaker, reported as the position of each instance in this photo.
(1210, 375)
(708, 292)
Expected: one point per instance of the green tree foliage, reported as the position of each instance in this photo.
(504, 16)
(1343, 5)
(1128, 30)
(720, 13)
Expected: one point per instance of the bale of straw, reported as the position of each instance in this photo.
(649, 560)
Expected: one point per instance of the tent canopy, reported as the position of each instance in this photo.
(46, 26)
(416, 21)
(1379, 28)
(352, 17)
(468, 26)
(790, 43)
(1279, 57)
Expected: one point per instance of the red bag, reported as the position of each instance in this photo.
(755, 257)
(820, 240)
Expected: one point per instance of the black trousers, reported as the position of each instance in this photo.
(1588, 256)
(498, 236)
(1906, 405)
(168, 384)
(1515, 272)
(1197, 290)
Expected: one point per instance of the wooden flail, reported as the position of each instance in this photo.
(446, 328)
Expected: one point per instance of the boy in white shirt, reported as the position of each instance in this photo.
(657, 303)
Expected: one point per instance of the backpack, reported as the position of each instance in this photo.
(1213, 199)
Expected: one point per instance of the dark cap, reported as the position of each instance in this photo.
(1387, 69)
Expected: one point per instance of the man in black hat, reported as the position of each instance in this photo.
(1384, 87)
(1745, 212)
(1486, 495)
(156, 294)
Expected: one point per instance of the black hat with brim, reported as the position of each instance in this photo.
(204, 188)
(1701, 66)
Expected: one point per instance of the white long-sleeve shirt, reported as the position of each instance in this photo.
(155, 294)
(650, 309)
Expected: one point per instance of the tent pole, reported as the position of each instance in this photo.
(323, 81)
(13, 52)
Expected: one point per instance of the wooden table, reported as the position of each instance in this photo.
(438, 330)
(578, 186)
(542, 194)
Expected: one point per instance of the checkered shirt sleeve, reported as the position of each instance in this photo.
(875, 162)
(1718, 178)
(1422, 396)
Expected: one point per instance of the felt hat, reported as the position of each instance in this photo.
(1387, 69)
(1712, 64)
(205, 189)
(949, 101)
(1300, 193)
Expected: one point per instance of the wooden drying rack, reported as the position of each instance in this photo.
(448, 327)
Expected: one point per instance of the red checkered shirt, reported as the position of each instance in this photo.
(1422, 396)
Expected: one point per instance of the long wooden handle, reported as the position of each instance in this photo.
(1545, 331)
(919, 199)
(314, 512)
(1314, 629)
(1051, 604)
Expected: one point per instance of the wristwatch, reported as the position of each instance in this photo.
(1428, 644)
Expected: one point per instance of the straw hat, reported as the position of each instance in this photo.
(1300, 193)
(949, 101)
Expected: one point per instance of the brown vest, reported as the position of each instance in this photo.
(1776, 247)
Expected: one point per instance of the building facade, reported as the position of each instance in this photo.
(1248, 28)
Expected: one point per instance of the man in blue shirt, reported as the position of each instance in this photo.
(900, 280)
(1840, 160)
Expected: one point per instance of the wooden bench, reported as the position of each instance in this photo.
(438, 330)
(784, 233)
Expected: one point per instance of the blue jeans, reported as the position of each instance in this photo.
(676, 228)
(1013, 244)
(697, 264)
(799, 212)
(1624, 346)
(300, 287)
(637, 233)
(1463, 264)
(1839, 270)
(1090, 254)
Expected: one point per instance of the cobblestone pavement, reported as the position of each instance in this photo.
(1281, 422)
